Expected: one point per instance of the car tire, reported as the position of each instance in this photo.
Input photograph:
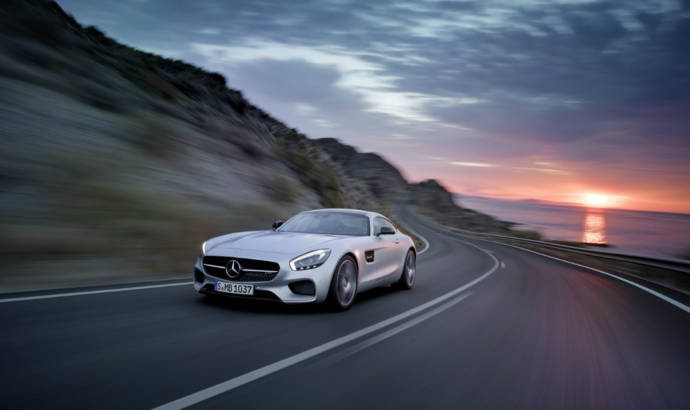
(343, 284)
(409, 272)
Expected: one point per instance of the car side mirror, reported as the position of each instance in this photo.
(386, 230)
(277, 224)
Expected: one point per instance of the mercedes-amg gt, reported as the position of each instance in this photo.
(315, 256)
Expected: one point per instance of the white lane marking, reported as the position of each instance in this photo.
(249, 377)
(394, 331)
(661, 296)
(503, 265)
(90, 292)
(415, 233)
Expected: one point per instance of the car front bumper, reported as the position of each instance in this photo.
(278, 288)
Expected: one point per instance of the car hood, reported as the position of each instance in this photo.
(292, 243)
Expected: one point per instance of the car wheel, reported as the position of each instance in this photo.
(344, 283)
(409, 271)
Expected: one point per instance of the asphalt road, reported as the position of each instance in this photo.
(486, 326)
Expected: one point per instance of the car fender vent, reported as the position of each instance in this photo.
(369, 255)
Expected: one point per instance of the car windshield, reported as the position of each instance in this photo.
(329, 223)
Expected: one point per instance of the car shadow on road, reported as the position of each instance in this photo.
(260, 305)
(276, 307)
(376, 293)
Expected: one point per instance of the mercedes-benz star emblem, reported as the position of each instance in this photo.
(233, 269)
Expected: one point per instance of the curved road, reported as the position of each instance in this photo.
(487, 326)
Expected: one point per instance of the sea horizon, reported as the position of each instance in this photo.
(456, 195)
(638, 232)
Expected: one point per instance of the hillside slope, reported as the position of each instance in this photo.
(117, 163)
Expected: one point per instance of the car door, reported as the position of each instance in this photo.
(384, 252)
(399, 250)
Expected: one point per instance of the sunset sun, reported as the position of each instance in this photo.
(597, 200)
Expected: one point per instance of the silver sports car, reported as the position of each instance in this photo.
(316, 256)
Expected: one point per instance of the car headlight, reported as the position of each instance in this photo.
(310, 260)
(203, 248)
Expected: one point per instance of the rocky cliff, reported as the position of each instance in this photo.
(432, 200)
(383, 180)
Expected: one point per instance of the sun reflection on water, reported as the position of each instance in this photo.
(595, 228)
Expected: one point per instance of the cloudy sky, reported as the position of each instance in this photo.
(503, 98)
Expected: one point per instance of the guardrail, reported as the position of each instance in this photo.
(669, 274)
(678, 265)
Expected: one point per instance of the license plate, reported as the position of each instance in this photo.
(234, 288)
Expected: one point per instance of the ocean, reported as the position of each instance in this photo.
(634, 232)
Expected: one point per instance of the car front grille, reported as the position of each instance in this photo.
(252, 270)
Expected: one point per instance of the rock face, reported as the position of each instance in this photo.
(432, 200)
(133, 159)
(383, 180)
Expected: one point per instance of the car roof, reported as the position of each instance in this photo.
(347, 210)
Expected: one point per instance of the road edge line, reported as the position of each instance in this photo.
(643, 288)
(652, 292)
(130, 288)
(91, 292)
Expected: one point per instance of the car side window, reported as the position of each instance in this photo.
(377, 225)
(387, 223)
(380, 222)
